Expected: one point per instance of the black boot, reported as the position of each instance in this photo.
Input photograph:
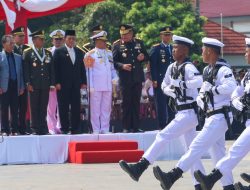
(198, 187)
(228, 187)
(167, 179)
(207, 181)
(135, 170)
(246, 177)
(239, 186)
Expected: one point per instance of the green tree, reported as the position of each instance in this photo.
(107, 13)
(149, 16)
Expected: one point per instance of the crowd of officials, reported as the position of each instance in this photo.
(46, 82)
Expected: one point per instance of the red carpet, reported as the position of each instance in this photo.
(104, 151)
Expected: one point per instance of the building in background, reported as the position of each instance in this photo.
(234, 49)
(235, 14)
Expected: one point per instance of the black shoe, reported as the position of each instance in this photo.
(207, 181)
(198, 187)
(246, 177)
(167, 179)
(135, 170)
(239, 186)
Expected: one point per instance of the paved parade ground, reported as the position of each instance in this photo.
(94, 177)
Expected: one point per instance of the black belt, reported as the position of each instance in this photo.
(186, 106)
(209, 114)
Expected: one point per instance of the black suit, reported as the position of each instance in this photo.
(40, 75)
(70, 76)
(130, 81)
(22, 99)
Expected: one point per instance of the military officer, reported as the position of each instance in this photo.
(102, 75)
(241, 146)
(214, 98)
(160, 58)
(53, 120)
(40, 79)
(129, 55)
(185, 120)
(19, 48)
(90, 45)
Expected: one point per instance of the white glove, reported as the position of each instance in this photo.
(247, 88)
(200, 102)
(169, 92)
(175, 82)
(206, 86)
(238, 104)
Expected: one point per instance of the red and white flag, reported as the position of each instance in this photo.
(10, 11)
(40, 5)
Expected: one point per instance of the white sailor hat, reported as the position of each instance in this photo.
(100, 36)
(213, 43)
(57, 34)
(182, 40)
(247, 42)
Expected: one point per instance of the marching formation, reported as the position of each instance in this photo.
(190, 94)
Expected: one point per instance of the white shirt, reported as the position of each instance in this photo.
(102, 74)
(192, 79)
(71, 54)
(226, 84)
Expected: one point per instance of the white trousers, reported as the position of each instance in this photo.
(100, 108)
(184, 123)
(236, 153)
(212, 136)
(53, 120)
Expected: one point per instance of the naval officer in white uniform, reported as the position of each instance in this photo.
(101, 74)
(214, 98)
(242, 145)
(181, 83)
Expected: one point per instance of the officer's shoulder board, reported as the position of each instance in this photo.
(85, 45)
(156, 44)
(117, 41)
(27, 49)
(47, 51)
(80, 48)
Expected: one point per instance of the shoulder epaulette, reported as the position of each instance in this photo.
(86, 44)
(115, 42)
(49, 49)
(156, 45)
(27, 49)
